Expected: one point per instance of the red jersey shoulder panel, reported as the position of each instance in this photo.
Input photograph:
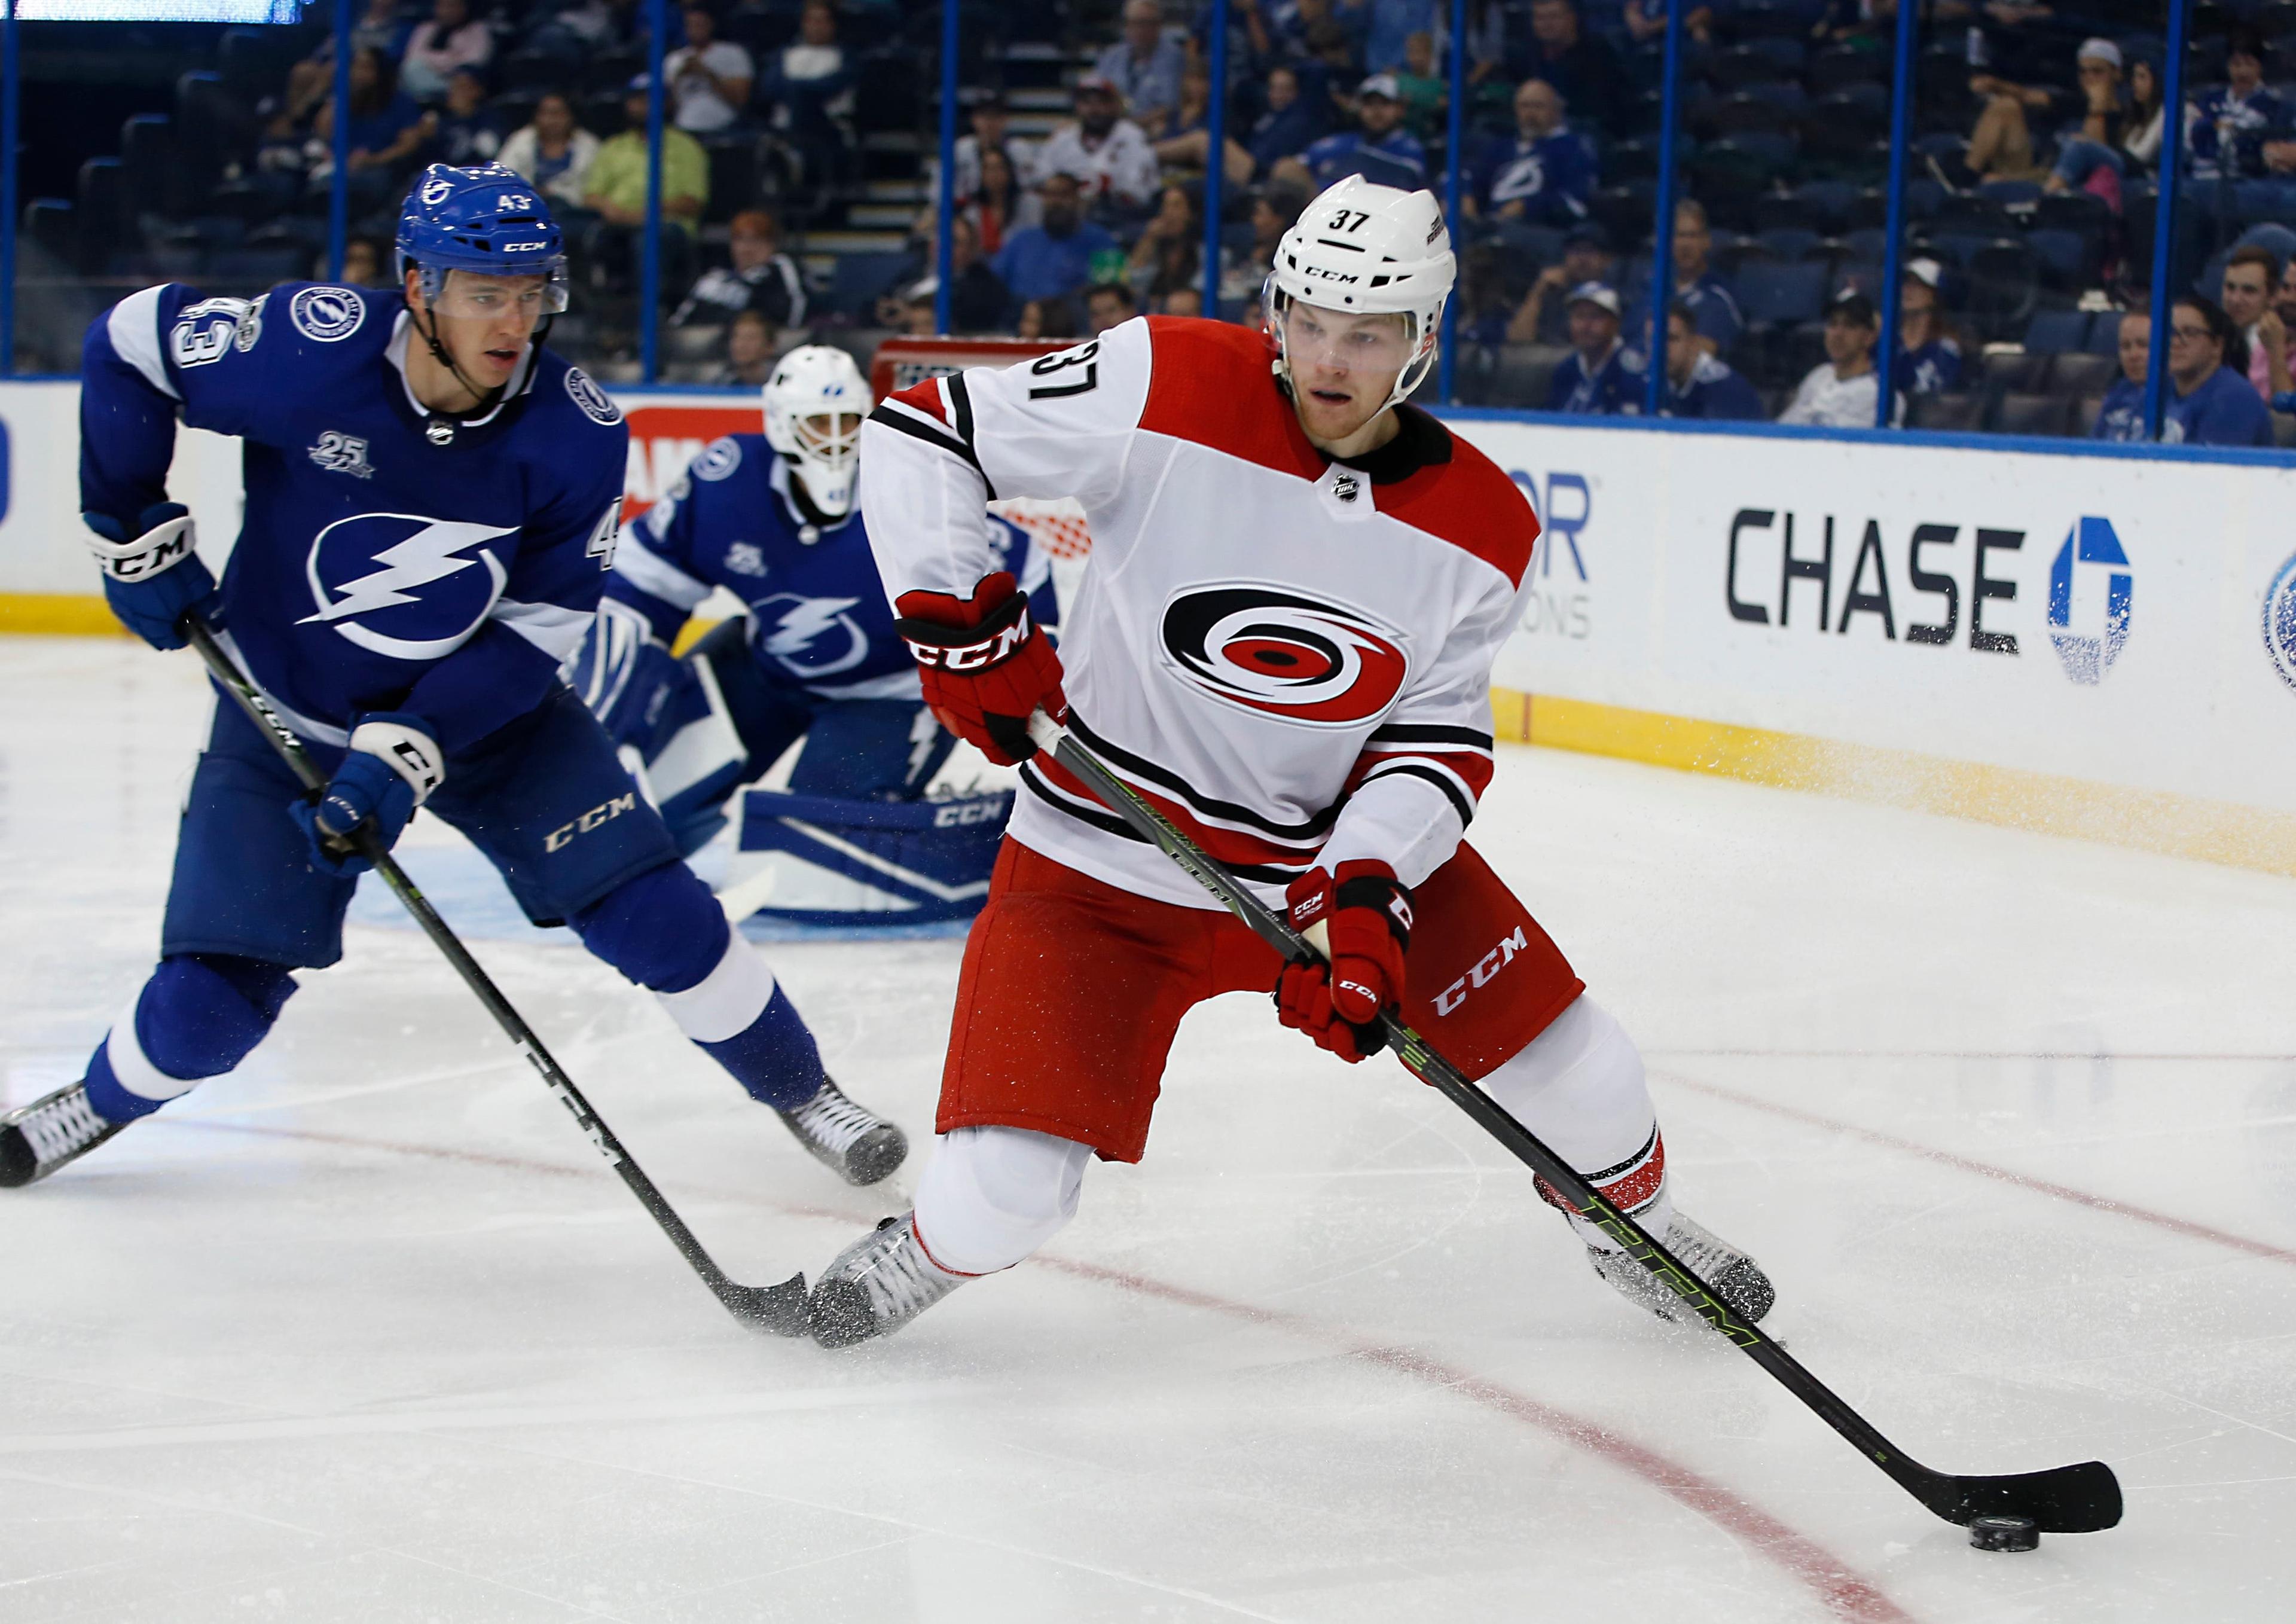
(1470, 502)
(1211, 383)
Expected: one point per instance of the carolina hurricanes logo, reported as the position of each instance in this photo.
(1265, 649)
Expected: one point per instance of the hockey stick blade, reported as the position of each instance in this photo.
(778, 1309)
(2066, 1500)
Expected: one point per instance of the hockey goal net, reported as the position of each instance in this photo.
(1059, 525)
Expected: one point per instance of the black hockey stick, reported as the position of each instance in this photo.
(778, 1308)
(2067, 1500)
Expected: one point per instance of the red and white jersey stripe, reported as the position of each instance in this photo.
(1290, 656)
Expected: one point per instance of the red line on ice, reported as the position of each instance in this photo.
(1844, 1593)
(1986, 1169)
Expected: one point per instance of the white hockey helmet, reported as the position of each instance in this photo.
(814, 392)
(1367, 250)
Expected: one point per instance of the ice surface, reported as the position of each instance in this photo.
(363, 1332)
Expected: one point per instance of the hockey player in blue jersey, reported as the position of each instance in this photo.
(432, 500)
(774, 518)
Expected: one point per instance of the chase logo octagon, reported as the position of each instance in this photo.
(327, 316)
(1282, 653)
(583, 390)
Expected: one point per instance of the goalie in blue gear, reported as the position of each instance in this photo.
(433, 498)
(774, 519)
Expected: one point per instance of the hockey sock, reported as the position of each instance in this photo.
(1579, 1085)
(665, 932)
(199, 1015)
(994, 1195)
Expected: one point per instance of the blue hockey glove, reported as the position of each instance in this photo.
(390, 768)
(620, 672)
(152, 578)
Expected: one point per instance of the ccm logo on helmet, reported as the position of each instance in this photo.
(1323, 664)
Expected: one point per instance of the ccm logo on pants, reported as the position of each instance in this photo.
(558, 837)
(1497, 959)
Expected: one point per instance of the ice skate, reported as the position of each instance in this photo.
(38, 1138)
(876, 1285)
(1733, 1276)
(852, 1141)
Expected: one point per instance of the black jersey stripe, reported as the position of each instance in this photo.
(1312, 829)
(960, 402)
(1424, 733)
(914, 425)
(1108, 823)
(1460, 800)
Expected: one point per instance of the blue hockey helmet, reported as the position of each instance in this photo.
(488, 220)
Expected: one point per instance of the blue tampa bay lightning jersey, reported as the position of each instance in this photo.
(374, 570)
(818, 617)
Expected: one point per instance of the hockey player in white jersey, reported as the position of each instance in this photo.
(1283, 641)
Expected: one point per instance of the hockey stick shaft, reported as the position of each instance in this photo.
(773, 1307)
(2070, 1500)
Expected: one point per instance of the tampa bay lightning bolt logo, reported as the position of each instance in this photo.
(583, 390)
(404, 585)
(812, 636)
(1276, 651)
(327, 315)
(2280, 621)
(2089, 651)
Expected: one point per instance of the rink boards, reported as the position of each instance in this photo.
(2096, 645)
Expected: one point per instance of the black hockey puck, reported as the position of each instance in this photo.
(2005, 1533)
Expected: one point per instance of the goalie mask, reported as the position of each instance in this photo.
(815, 404)
(1367, 249)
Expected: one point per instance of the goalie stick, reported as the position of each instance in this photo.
(2077, 1499)
(776, 1309)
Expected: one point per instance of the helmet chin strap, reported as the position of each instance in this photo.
(441, 429)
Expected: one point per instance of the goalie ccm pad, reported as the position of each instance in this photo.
(812, 859)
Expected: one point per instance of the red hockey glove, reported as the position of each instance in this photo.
(1366, 912)
(986, 666)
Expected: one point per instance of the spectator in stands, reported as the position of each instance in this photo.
(1710, 302)
(1542, 175)
(1645, 22)
(2122, 416)
(617, 195)
(2283, 301)
(709, 77)
(1181, 302)
(1601, 377)
(2232, 118)
(553, 153)
(1244, 272)
(2246, 290)
(1542, 317)
(1046, 318)
(2213, 403)
(1379, 150)
(361, 264)
(1842, 391)
(1182, 135)
(1697, 384)
(980, 301)
(1582, 67)
(1105, 305)
(387, 130)
(760, 278)
(1929, 349)
(2084, 156)
(1287, 126)
(1054, 259)
(992, 121)
(748, 351)
(1001, 205)
(1144, 65)
(451, 39)
(808, 84)
(1426, 90)
(310, 81)
(1108, 155)
(1170, 251)
(2001, 147)
(1388, 26)
(582, 29)
(465, 131)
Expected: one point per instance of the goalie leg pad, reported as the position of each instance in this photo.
(665, 932)
(994, 1195)
(198, 1017)
(871, 862)
(1579, 1085)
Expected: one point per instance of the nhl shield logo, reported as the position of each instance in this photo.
(2280, 621)
(583, 390)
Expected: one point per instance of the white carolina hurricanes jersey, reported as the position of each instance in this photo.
(1291, 657)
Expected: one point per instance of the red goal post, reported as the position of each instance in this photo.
(1058, 526)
